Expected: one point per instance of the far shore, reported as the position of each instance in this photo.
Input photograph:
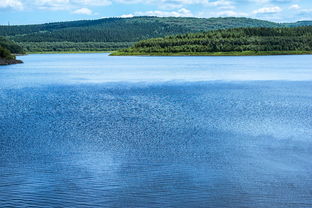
(120, 53)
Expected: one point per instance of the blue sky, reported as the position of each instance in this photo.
(42, 11)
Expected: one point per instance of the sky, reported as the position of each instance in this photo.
(16, 12)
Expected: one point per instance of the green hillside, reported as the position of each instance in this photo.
(240, 41)
(298, 24)
(115, 33)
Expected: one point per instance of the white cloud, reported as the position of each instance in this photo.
(266, 10)
(93, 2)
(294, 6)
(220, 3)
(179, 13)
(14, 4)
(127, 16)
(173, 4)
(53, 4)
(85, 11)
(259, 1)
(69, 4)
(271, 1)
(230, 14)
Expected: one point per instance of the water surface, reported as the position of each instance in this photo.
(89, 130)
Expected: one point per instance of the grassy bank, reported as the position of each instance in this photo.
(235, 53)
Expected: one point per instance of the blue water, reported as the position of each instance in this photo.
(89, 130)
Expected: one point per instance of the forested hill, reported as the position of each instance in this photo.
(115, 33)
(113, 29)
(240, 41)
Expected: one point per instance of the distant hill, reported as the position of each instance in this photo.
(239, 41)
(298, 24)
(116, 33)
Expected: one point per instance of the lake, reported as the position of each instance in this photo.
(90, 130)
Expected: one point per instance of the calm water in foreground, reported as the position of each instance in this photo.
(89, 130)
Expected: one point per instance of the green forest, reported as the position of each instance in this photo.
(240, 41)
(110, 34)
(5, 53)
(8, 47)
(72, 46)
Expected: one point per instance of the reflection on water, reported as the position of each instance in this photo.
(67, 142)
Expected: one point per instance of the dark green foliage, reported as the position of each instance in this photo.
(73, 46)
(5, 53)
(8, 47)
(11, 46)
(116, 33)
(230, 40)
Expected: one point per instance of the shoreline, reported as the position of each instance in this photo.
(245, 53)
(4, 62)
(68, 52)
(117, 53)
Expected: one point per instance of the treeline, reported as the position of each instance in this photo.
(5, 53)
(230, 40)
(72, 46)
(11, 46)
(8, 47)
(119, 30)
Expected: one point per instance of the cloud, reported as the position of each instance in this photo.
(172, 4)
(13, 4)
(127, 16)
(268, 10)
(53, 4)
(84, 11)
(69, 4)
(294, 6)
(259, 1)
(272, 1)
(222, 3)
(93, 2)
(231, 14)
(179, 13)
